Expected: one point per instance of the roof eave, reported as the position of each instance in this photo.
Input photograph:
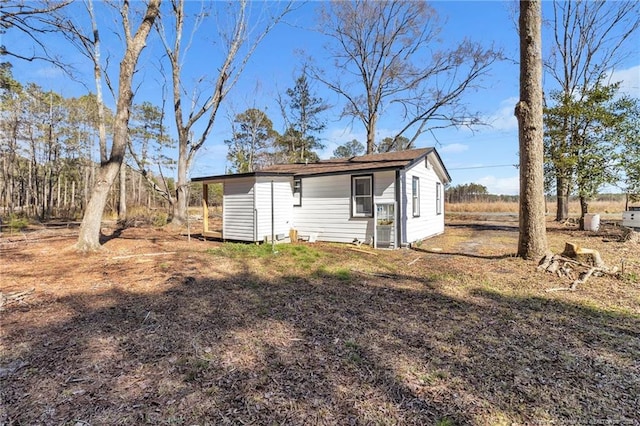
(222, 178)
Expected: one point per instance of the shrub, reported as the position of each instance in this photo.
(17, 223)
(159, 219)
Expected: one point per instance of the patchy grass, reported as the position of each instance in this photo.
(456, 332)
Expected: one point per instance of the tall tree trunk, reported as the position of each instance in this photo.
(29, 197)
(371, 135)
(562, 199)
(58, 198)
(73, 195)
(179, 207)
(584, 209)
(532, 240)
(89, 237)
(65, 204)
(88, 183)
(122, 202)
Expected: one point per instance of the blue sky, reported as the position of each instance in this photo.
(486, 156)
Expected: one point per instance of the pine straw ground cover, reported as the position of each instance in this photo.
(154, 329)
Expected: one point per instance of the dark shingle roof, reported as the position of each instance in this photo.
(388, 160)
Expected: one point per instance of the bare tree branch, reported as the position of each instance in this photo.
(384, 51)
(239, 43)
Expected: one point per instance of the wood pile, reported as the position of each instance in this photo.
(629, 235)
(576, 263)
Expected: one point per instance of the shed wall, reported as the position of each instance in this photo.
(429, 223)
(282, 206)
(238, 209)
(326, 207)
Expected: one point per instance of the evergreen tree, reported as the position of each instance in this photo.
(399, 143)
(349, 149)
(302, 114)
(252, 136)
(629, 155)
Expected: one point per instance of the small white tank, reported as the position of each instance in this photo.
(591, 222)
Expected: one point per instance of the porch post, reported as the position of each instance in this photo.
(205, 208)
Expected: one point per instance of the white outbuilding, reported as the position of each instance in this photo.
(389, 200)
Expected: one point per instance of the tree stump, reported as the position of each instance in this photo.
(583, 255)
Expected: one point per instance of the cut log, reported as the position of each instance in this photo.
(582, 279)
(553, 267)
(544, 263)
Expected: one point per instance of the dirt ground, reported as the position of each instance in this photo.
(159, 329)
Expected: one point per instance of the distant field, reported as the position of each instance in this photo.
(601, 207)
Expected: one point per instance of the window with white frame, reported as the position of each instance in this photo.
(415, 196)
(438, 198)
(362, 196)
(297, 192)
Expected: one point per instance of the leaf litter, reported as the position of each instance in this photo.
(211, 333)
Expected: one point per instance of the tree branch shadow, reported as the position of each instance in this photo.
(316, 348)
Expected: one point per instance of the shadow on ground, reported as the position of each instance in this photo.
(319, 349)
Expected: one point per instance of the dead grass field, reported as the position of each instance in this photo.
(158, 330)
(604, 208)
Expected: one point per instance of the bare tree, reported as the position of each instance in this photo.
(37, 19)
(389, 46)
(590, 40)
(89, 237)
(32, 19)
(196, 111)
(532, 240)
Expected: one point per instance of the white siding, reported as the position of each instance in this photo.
(282, 205)
(326, 207)
(384, 186)
(428, 223)
(238, 209)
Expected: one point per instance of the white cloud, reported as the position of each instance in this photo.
(503, 118)
(49, 73)
(341, 135)
(630, 79)
(501, 186)
(453, 148)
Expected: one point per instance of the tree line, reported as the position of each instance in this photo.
(49, 148)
